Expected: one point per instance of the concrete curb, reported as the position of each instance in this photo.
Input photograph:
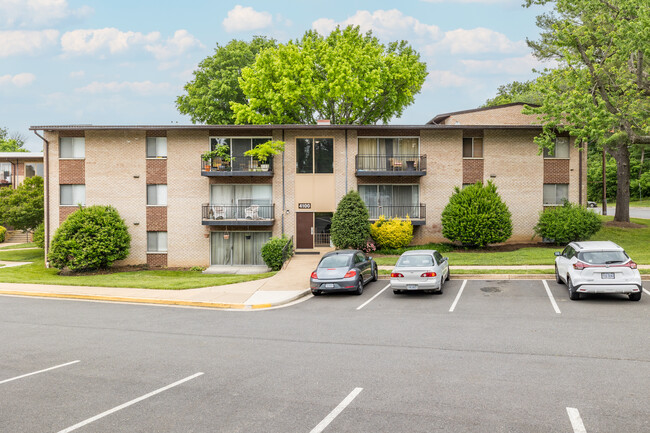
(644, 277)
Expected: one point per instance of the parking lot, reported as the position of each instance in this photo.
(484, 356)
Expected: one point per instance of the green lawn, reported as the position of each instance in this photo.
(36, 273)
(13, 247)
(637, 203)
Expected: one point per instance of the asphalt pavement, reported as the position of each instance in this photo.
(635, 212)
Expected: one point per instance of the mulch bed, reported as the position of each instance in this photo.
(624, 225)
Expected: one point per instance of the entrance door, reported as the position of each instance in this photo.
(304, 230)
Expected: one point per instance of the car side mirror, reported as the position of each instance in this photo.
(558, 254)
(369, 258)
(445, 259)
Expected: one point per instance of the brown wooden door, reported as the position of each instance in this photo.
(304, 230)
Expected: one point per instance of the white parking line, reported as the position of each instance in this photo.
(129, 403)
(460, 292)
(39, 371)
(646, 292)
(369, 300)
(576, 421)
(337, 410)
(550, 296)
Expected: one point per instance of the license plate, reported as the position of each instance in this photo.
(607, 276)
(411, 287)
(329, 286)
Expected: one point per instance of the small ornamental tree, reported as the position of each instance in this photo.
(350, 226)
(90, 238)
(476, 216)
(392, 233)
(567, 223)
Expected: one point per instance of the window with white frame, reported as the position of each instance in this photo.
(73, 147)
(33, 169)
(560, 149)
(156, 147)
(156, 242)
(5, 172)
(73, 195)
(391, 200)
(157, 195)
(555, 193)
(472, 147)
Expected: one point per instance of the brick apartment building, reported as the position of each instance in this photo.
(18, 166)
(182, 211)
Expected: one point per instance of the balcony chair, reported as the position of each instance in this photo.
(252, 212)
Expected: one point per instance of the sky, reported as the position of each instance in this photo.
(123, 62)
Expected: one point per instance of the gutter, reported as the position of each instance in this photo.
(283, 197)
(46, 188)
(582, 154)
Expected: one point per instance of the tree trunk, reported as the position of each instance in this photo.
(621, 154)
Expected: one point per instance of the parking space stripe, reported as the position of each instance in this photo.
(550, 296)
(129, 403)
(369, 300)
(337, 410)
(646, 292)
(39, 371)
(460, 292)
(576, 420)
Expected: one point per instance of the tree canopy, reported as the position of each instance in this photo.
(347, 77)
(12, 143)
(515, 92)
(23, 207)
(215, 83)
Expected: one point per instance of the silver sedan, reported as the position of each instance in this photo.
(423, 270)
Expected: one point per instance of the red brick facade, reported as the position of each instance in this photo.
(65, 211)
(72, 172)
(556, 170)
(156, 218)
(472, 170)
(157, 171)
(157, 260)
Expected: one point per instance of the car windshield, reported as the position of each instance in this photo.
(335, 261)
(415, 261)
(603, 257)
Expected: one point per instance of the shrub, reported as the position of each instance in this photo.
(370, 246)
(197, 269)
(350, 227)
(272, 252)
(567, 223)
(476, 216)
(441, 248)
(90, 238)
(3, 232)
(39, 235)
(393, 233)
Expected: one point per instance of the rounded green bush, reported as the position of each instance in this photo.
(3, 232)
(567, 223)
(476, 216)
(350, 226)
(90, 238)
(272, 252)
(39, 235)
(393, 233)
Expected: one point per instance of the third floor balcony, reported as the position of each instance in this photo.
(237, 166)
(394, 165)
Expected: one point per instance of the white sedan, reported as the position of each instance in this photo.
(423, 270)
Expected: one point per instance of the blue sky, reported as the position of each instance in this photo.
(124, 62)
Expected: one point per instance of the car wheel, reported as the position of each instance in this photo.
(396, 291)
(316, 292)
(573, 293)
(635, 296)
(375, 274)
(448, 275)
(359, 289)
(557, 277)
(442, 281)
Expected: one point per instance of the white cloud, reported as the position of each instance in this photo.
(478, 40)
(437, 79)
(138, 87)
(384, 23)
(181, 42)
(14, 42)
(246, 18)
(510, 66)
(37, 13)
(77, 74)
(18, 80)
(91, 41)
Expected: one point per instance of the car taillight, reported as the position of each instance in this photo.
(579, 266)
(631, 264)
(351, 273)
(314, 275)
(396, 275)
(428, 274)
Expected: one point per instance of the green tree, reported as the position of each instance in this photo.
(346, 77)
(215, 83)
(600, 92)
(350, 226)
(13, 143)
(515, 92)
(22, 208)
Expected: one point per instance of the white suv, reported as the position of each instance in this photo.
(597, 267)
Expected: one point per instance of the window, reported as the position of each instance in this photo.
(472, 147)
(237, 248)
(156, 147)
(156, 242)
(5, 173)
(33, 169)
(555, 193)
(73, 147)
(387, 153)
(391, 200)
(236, 200)
(238, 146)
(157, 195)
(73, 195)
(560, 150)
(315, 155)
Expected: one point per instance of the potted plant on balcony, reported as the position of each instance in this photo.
(263, 151)
(207, 158)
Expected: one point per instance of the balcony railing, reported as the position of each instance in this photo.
(242, 165)
(241, 214)
(403, 165)
(417, 213)
(322, 239)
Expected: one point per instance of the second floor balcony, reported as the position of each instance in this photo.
(238, 166)
(390, 165)
(246, 214)
(417, 212)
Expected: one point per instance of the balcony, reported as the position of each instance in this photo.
(417, 213)
(383, 165)
(238, 215)
(238, 166)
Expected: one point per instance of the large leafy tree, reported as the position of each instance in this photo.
(13, 143)
(347, 77)
(600, 92)
(215, 83)
(517, 91)
(22, 208)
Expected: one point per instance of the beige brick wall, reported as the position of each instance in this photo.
(497, 116)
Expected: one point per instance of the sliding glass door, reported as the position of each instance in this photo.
(237, 248)
(391, 200)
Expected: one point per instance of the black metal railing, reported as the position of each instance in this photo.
(322, 239)
(241, 212)
(237, 164)
(287, 250)
(391, 163)
(414, 212)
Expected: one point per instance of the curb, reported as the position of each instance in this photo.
(644, 277)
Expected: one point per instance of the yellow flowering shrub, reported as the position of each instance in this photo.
(393, 233)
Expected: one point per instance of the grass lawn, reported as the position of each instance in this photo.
(36, 273)
(637, 203)
(13, 247)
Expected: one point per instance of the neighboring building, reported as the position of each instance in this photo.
(182, 211)
(17, 166)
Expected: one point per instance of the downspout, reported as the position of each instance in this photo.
(582, 154)
(346, 162)
(283, 199)
(46, 187)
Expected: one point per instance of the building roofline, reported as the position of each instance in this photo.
(440, 117)
(21, 155)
